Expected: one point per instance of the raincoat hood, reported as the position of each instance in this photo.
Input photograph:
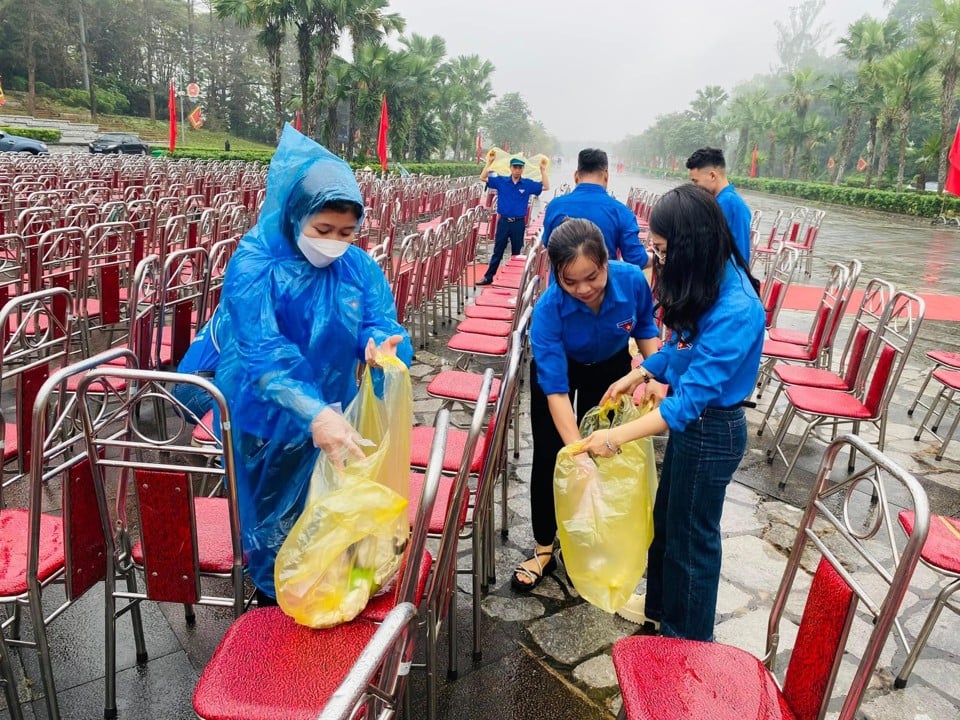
(303, 177)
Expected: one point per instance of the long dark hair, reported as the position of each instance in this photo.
(699, 244)
(572, 238)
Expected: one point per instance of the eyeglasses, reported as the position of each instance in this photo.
(660, 255)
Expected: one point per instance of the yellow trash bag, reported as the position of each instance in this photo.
(604, 510)
(501, 163)
(350, 539)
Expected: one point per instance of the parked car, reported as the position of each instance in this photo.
(15, 143)
(119, 143)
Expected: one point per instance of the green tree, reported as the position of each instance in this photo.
(708, 102)
(941, 33)
(508, 121)
(799, 39)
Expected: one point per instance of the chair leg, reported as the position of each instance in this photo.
(949, 436)
(923, 387)
(43, 655)
(452, 640)
(930, 410)
(431, 662)
(478, 562)
(773, 403)
(925, 631)
(796, 455)
(9, 683)
(943, 412)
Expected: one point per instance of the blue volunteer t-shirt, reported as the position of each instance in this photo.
(738, 218)
(564, 327)
(719, 367)
(512, 197)
(616, 221)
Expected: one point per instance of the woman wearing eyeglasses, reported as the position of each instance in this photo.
(710, 305)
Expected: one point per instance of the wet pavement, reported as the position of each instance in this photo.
(547, 654)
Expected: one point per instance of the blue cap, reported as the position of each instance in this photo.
(517, 161)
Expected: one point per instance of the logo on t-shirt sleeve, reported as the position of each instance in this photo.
(626, 325)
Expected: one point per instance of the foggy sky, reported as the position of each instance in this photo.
(603, 69)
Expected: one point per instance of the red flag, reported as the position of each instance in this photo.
(479, 147)
(753, 162)
(172, 109)
(297, 121)
(952, 183)
(382, 135)
(861, 164)
(673, 164)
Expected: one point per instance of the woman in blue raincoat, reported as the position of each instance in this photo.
(303, 306)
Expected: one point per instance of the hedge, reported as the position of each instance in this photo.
(263, 156)
(43, 135)
(908, 202)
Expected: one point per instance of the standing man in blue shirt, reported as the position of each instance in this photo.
(513, 194)
(589, 200)
(708, 169)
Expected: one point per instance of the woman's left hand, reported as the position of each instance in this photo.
(600, 444)
(387, 347)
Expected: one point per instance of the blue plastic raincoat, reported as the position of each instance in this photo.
(290, 342)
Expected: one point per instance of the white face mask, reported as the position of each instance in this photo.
(320, 252)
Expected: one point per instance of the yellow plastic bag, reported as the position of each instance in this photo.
(604, 510)
(501, 163)
(349, 541)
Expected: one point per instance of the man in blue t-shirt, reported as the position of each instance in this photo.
(591, 201)
(513, 194)
(708, 169)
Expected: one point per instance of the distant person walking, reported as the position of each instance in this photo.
(589, 200)
(513, 194)
(708, 169)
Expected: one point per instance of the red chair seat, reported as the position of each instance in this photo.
(479, 326)
(10, 441)
(14, 526)
(461, 385)
(481, 344)
(795, 337)
(439, 515)
(494, 300)
(421, 438)
(497, 291)
(213, 536)
(283, 653)
(118, 384)
(380, 605)
(950, 378)
(200, 434)
(787, 351)
(942, 547)
(944, 357)
(809, 377)
(506, 281)
(827, 402)
(488, 312)
(721, 683)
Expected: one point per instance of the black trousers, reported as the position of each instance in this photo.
(589, 383)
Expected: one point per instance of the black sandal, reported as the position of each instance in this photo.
(535, 577)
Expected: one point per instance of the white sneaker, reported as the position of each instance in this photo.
(634, 610)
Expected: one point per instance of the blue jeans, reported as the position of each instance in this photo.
(683, 564)
(512, 231)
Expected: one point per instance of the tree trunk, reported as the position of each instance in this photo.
(31, 58)
(276, 78)
(949, 87)
(331, 128)
(846, 144)
(352, 127)
(871, 148)
(85, 61)
(771, 157)
(740, 159)
(148, 48)
(326, 43)
(886, 134)
(305, 65)
(458, 137)
(191, 50)
(902, 158)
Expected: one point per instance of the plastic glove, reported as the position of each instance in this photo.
(335, 436)
(387, 347)
(624, 386)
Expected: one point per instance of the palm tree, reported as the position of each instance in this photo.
(942, 32)
(708, 102)
(845, 97)
(471, 76)
(422, 62)
(904, 74)
(272, 17)
(364, 20)
(799, 96)
(744, 115)
(867, 41)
